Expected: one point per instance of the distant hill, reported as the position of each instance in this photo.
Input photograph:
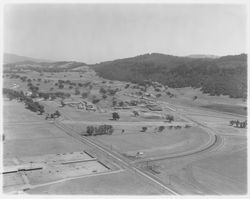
(225, 75)
(200, 56)
(45, 66)
(13, 58)
(12, 61)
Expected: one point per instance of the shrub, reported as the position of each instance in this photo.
(144, 128)
(114, 103)
(161, 128)
(95, 101)
(77, 92)
(102, 90)
(61, 86)
(121, 103)
(90, 130)
(170, 118)
(115, 116)
(84, 95)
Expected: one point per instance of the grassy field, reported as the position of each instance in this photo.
(224, 173)
(227, 108)
(122, 183)
(15, 112)
(156, 144)
(28, 134)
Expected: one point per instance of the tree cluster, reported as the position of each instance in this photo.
(29, 103)
(238, 124)
(101, 130)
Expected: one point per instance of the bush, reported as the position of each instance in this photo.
(115, 116)
(102, 90)
(90, 130)
(121, 103)
(114, 103)
(84, 95)
(144, 129)
(161, 128)
(170, 118)
(77, 92)
(95, 101)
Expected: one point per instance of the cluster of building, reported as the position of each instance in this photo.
(82, 105)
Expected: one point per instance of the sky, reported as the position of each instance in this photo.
(93, 33)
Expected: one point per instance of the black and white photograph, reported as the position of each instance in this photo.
(124, 99)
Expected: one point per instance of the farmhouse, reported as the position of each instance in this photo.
(154, 107)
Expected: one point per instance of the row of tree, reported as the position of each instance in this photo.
(54, 115)
(101, 130)
(238, 124)
(29, 103)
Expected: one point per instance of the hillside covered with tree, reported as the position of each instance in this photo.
(225, 75)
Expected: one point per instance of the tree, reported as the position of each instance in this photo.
(114, 103)
(62, 103)
(161, 128)
(90, 130)
(232, 122)
(41, 109)
(57, 113)
(115, 116)
(144, 128)
(121, 103)
(77, 92)
(102, 90)
(237, 123)
(158, 95)
(135, 113)
(84, 95)
(194, 98)
(170, 118)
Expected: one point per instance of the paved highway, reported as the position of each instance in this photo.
(117, 157)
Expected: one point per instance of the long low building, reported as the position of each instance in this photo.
(154, 107)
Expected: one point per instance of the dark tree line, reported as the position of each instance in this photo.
(238, 124)
(101, 130)
(29, 103)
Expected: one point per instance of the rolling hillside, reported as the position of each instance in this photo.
(13, 58)
(226, 75)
